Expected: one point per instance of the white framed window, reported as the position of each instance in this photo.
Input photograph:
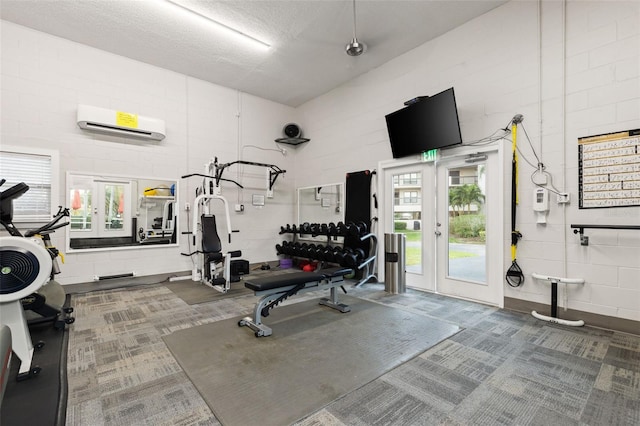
(38, 168)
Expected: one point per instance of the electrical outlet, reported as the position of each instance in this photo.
(239, 207)
(563, 198)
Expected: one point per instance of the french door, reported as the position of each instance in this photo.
(451, 213)
(100, 208)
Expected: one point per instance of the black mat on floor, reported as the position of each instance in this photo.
(194, 292)
(315, 356)
(40, 400)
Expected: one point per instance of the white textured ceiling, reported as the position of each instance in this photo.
(307, 56)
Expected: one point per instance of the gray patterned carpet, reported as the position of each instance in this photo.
(503, 368)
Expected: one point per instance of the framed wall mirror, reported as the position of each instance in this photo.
(321, 204)
(116, 212)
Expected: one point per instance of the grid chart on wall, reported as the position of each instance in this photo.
(609, 170)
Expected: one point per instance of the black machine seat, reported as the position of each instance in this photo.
(294, 278)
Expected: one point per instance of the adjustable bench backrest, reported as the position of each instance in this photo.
(282, 280)
(210, 240)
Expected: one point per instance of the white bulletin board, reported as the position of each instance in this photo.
(609, 170)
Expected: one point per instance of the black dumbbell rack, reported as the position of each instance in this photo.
(333, 252)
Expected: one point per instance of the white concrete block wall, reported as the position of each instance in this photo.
(590, 85)
(587, 82)
(43, 80)
(606, 45)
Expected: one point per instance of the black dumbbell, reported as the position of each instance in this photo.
(339, 256)
(304, 250)
(364, 229)
(292, 248)
(311, 251)
(305, 228)
(284, 230)
(353, 229)
(327, 254)
(341, 229)
(284, 247)
(332, 230)
(320, 253)
(349, 259)
(324, 229)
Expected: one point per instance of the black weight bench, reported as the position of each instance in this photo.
(275, 289)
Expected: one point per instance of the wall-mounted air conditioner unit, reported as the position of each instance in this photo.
(121, 123)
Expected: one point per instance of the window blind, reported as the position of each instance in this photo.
(34, 170)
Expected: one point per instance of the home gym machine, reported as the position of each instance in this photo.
(25, 268)
(213, 267)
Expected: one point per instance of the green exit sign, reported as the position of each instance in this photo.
(430, 155)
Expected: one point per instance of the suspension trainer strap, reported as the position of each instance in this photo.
(514, 275)
(515, 235)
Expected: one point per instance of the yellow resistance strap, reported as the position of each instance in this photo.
(514, 134)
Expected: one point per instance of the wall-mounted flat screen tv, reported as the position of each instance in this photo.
(426, 123)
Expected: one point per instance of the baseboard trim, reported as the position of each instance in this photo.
(115, 283)
(590, 319)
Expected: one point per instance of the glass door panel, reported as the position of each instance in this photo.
(114, 205)
(470, 215)
(81, 196)
(80, 212)
(411, 195)
(466, 224)
(407, 216)
(115, 211)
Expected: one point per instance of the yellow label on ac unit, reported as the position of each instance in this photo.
(126, 119)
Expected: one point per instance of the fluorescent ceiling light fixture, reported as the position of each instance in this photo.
(220, 25)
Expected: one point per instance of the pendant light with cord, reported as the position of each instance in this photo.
(355, 48)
